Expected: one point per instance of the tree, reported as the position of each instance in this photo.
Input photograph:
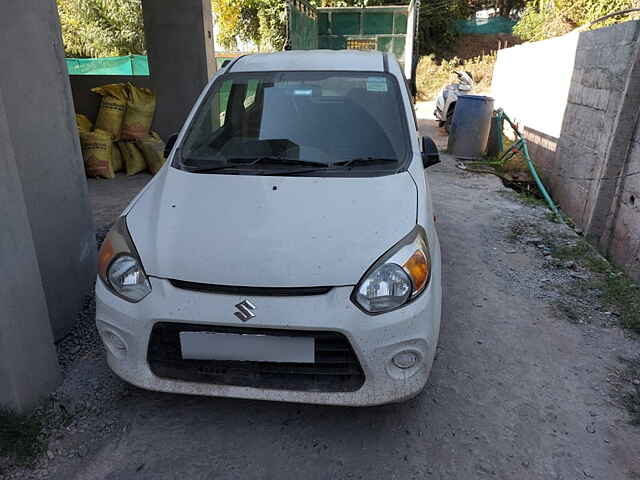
(507, 8)
(101, 28)
(263, 22)
(437, 31)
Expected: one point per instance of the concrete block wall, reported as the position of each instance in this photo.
(602, 62)
(571, 95)
(623, 227)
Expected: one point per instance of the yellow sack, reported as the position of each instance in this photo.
(116, 158)
(133, 159)
(83, 123)
(96, 151)
(139, 115)
(112, 108)
(152, 148)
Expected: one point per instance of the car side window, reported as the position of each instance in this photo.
(250, 97)
(222, 102)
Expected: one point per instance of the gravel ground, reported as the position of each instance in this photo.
(520, 389)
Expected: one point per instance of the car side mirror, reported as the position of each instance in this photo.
(225, 63)
(169, 145)
(430, 155)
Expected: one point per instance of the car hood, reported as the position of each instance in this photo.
(265, 231)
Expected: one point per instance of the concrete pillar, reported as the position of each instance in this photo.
(28, 364)
(41, 126)
(179, 38)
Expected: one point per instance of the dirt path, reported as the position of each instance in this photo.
(517, 391)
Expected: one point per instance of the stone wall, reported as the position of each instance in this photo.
(575, 98)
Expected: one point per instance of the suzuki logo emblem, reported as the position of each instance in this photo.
(245, 312)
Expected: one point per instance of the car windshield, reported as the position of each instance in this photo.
(307, 123)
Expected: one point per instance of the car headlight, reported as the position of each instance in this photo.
(119, 265)
(397, 277)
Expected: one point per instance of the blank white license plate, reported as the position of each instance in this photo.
(248, 348)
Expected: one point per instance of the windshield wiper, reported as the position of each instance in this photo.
(286, 173)
(364, 161)
(341, 164)
(236, 162)
(277, 160)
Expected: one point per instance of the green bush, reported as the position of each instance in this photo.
(544, 19)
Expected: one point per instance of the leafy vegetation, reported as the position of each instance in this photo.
(101, 28)
(529, 198)
(549, 18)
(432, 74)
(237, 19)
(436, 26)
(263, 22)
(621, 294)
(583, 254)
(617, 290)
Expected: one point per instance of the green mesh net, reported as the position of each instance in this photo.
(129, 65)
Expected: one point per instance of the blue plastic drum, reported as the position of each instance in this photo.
(470, 127)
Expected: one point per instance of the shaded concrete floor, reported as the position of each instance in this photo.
(109, 197)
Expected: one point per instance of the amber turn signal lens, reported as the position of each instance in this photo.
(418, 269)
(105, 256)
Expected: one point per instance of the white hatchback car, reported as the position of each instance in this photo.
(287, 250)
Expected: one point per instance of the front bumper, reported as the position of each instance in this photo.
(375, 339)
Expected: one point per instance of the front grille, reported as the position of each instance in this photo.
(336, 367)
(250, 291)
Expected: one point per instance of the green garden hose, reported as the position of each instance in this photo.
(519, 146)
(522, 144)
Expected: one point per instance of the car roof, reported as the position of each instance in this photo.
(300, 60)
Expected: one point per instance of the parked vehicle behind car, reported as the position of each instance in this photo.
(287, 250)
(448, 97)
